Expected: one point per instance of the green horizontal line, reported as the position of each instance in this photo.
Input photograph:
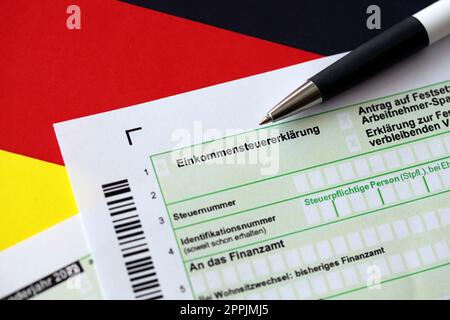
(389, 280)
(309, 194)
(306, 117)
(301, 170)
(318, 226)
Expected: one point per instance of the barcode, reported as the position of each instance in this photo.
(133, 245)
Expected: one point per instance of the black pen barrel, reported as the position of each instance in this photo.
(372, 57)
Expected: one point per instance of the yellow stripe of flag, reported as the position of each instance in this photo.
(34, 195)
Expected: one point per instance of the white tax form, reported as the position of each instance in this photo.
(185, 198)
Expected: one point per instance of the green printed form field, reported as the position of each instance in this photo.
(317, 188)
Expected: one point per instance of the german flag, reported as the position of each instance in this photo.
(135, 51)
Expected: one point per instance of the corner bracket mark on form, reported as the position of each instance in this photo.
(128, 131)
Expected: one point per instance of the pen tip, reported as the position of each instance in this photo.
(265, 120)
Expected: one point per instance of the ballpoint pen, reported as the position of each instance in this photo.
(398, 42)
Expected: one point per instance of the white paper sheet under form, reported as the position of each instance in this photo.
(183, 198)
(53, 264)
